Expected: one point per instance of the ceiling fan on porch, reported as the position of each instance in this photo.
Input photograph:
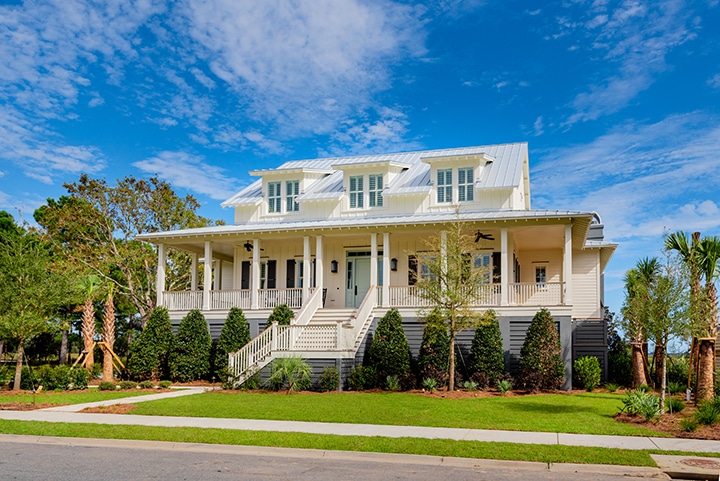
(479, 235)
(249, 247)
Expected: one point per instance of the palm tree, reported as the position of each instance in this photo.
(108, 335)
(637, 284)
(708, 250)
(88, 286)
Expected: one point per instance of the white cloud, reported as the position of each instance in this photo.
(190, 172)
(538, 126)
(384, 133)
(714, 81)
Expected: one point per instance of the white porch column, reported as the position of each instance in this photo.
(504, 268)
(255, 285)
(386, 270)
(319, 272)
(567, 265)
(373, 261)
(307, 269)
(207, 276)
(218, 275)
(443, 250)
(193, 272)
(160, 280)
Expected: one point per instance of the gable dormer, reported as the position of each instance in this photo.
(364, 183)
(455, 178)
(281, 188)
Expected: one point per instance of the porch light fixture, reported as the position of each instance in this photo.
(393, 264)
(334, 266)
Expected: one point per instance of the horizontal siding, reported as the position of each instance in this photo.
(586, 284)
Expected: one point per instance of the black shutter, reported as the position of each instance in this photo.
(290, 274)
(497, 269)
(412, 270)
(271, 274)
(245, 275)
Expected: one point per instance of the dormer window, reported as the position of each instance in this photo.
(274, 197)
(375, 185)
(444, 186)
(465, 184)
(292, 190)
(356, 191)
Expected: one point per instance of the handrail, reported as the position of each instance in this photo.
(363, 315)
(309, 308)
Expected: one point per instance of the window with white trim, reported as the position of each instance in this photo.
(292, 190)
(444, 186)
(356, 191)
(465, 184)
(263, 273)
(375, 187)
(274, 197)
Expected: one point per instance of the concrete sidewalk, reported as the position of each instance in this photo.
(71, 414)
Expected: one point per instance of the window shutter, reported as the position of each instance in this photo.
(271, 274)
(245, 275)
(290, 274)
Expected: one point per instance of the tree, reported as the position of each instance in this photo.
(389, 352)
(434, 353)
(487, 348)
(108, 335)
(190, 359)
(31, 291)
(149, 353)
(96, 225)
(635, 315)
(234, 335)
(541, 365)
(88, 287)
(453, 283)
(281, 314)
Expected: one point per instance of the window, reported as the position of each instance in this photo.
(356, 192)
(263, 274)
(484, 261)
(465, 184)
(375, 184)
(300, 273)
(444, 186)
(274, 197)
(540, 275)
(292, 190)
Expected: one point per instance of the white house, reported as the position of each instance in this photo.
(333, 239)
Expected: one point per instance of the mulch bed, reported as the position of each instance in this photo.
(670, 424)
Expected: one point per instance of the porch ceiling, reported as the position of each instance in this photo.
(539, 237)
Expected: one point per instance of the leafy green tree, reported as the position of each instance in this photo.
(541, 365)
(486, 352)
(234, 335)
(149, 353)
(389, 352)
(453, 283)
(281, 314)
(190, 359)
(292, 372)
(434, 353)
(635, 315)
(32, 290)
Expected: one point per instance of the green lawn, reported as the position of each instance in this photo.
(66, 397)
(587, 413)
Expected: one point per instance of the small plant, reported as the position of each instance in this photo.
(329, 379)
(587, 372)
(674, 405)
(481, 379)
(292, 372)
(252, 383)
(146, 385)
(689, 425)
(164, 384)
(361, 378)
(640, 403)
(127, 385)
(470, 385)
(643, 388)
(504, 385)
(392, 383)
(429, 384)
(708, 412)
(611, 387)
(107, 386)
(675, 388)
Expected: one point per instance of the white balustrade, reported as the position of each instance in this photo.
(270, 298)
(182, 300)
(225, 300)
(535, 294)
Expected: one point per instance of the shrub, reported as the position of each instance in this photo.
(146, 385)
(587, 372)
(481, 380)
(282, 314)
(125, 385)
(234, 335)
(253, 382)
(674, 405)
(190, 360)
(677, 369)
(708, 412)
(107, 386)
(149, 352)
(504, 385)
(611, 387)
(329, 379)
(620, 367)
(164, 384)
(675, 387)
(641, 403)
(392, 383)
(486, 353)
(292, 372)
(389, 352)
(470, 385)
(429, 384)
(361, 378)
(689, 425)
(434, 357)
(52, 378)
(541, 365)
(643, 388)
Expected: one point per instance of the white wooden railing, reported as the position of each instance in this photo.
(182, 300)
(535, 294)
(310, 308)
(410, 296)
(362, 319)
(228, 299)
(270, 298)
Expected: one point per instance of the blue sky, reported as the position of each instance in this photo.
(619, 100)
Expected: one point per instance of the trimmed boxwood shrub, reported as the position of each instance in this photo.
(107, 386)
(329, 379)
(53, 378)
(234, 335)
(125, 385)
(541, 365)
(389, 352)
(587, 372)
(146, 385)
(486, 353)
(434, 357)
(282, 314)
(190, 359)
(149, 353)
(361, 378)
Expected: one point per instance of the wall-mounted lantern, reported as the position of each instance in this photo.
(393, 264)
(334, 266)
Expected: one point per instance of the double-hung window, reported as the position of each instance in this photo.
(375, 186)
(356, 192)
(292, 190)
(465, 184)
(540, 276)
(274, 197)
(444, 186)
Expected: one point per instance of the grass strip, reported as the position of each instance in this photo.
(587, 413)
(68, 397)
(432, 447)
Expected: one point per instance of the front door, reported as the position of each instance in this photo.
(357, 281)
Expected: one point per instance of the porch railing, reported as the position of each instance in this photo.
(536, 294)
(183, 300)
(270, 298)
(410, 296)
(229, 299)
